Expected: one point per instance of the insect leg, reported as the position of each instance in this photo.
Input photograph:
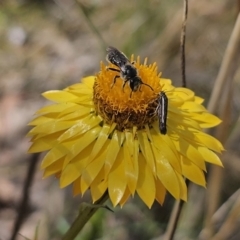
(114, 80)
(131, 94)
(114, 69)
(125, 84)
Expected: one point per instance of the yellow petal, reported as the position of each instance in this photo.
(53, 126)
(165, 146)
(44, 143)
(57, 108)
(76, 86)
(98, 186)
(54, 168)
(209, 142)
(130, 170)
(129, 142)
(166, 174)
(189, 151)
(113, 149)
(77, 166)
(74, 108)
(133, 149)
(117, 180)
(125, 197)
(77, 115)
(184, 93)
(210, 156)
(80, 127)
(39, 120)
(60, 96)
(208, 120)
(192, 172)
(92, 169)
(176, 102)
(198, 100)
(174, 120)
(69, 174)
(160, 191)
(89, 81)
(76, 146)
(146, 150)
(80, 89)
(84, 186)
(53, 155)
(146, 188)
(172, 109)
(77, 187)
(102, 138)
(131, 152)
(166, 82)
(193, 107)
(183, 187)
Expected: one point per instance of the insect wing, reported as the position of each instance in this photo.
(116, 57)
(162, 112)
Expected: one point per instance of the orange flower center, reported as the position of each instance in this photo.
(116, 104)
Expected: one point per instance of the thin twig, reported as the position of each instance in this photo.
(230, 224)
(25, 195)
(228, 66)
(216, 173)
(183, 40)
(91, 25)
(175, 215)
(225, 219)
(220, 92)
(177, 209)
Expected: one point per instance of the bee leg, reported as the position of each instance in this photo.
(124, 84)
(113, 69)
(114, 80)
(131, 94)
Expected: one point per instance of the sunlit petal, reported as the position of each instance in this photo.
(117, 181)
(98, 186)
(146, 187)
(192, 172)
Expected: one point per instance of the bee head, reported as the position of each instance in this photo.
(135, 83)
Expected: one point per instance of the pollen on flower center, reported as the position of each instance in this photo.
(115, 104)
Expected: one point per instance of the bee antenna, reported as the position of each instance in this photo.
(147, 85)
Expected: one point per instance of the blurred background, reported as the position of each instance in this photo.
(50, 44)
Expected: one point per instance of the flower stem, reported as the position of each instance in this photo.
(174, 218)
(183, 40)
(86, 211)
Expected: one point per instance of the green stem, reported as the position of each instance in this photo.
(86, 211)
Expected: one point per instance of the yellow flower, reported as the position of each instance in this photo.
(100, 138)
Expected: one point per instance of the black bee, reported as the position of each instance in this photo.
(162, 111)
(126, 69)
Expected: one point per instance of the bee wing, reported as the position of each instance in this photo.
(116, 57)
